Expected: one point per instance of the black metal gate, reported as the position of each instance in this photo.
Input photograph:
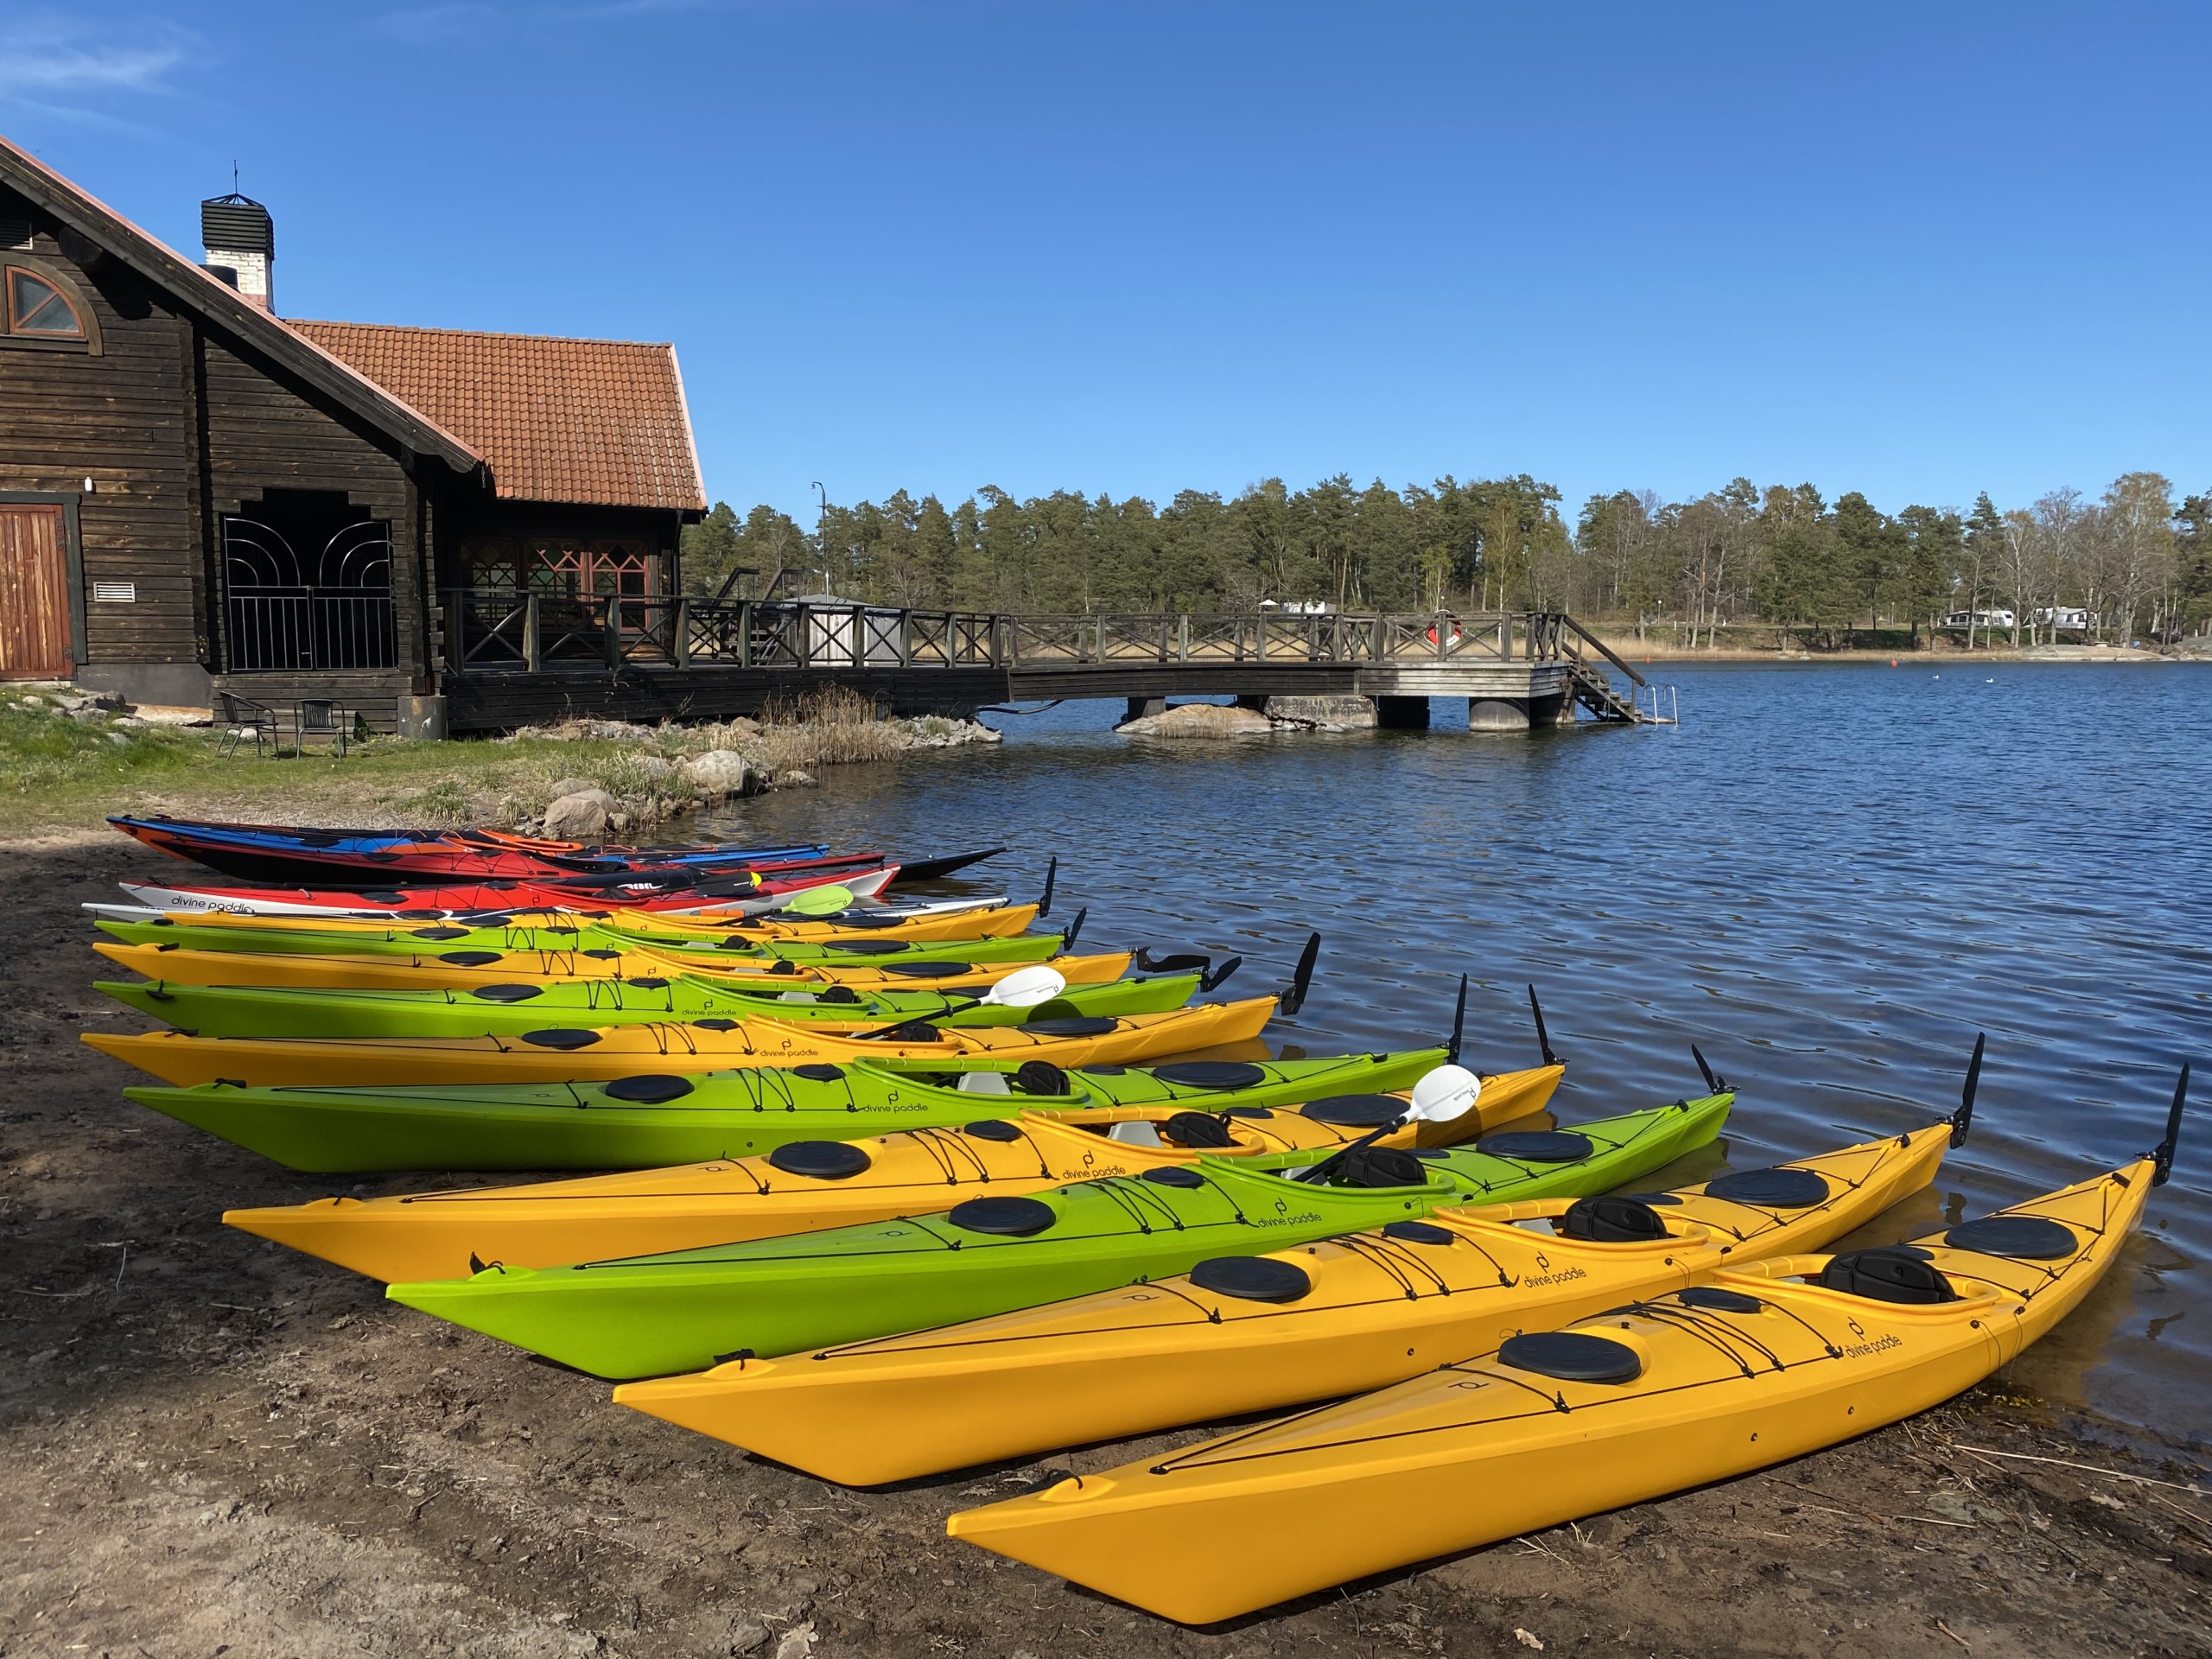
(301, 596)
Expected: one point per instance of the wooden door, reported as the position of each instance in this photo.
(34, 594)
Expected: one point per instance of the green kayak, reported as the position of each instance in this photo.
(285, 1011)
(655, 1120)
(651, 1315)
(415, 938)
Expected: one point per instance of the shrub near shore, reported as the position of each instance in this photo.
(66, 761)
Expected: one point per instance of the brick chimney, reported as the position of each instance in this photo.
(241, 245)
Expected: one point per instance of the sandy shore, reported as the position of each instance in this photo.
(214, 1446)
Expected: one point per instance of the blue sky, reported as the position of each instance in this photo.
(1917, 251)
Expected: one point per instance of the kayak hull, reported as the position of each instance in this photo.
(1134, 1361)
(654, 1315)
(910, 1171)
(1353, 1489)
(513, 1008)
(694, 1119)
(565, 1054)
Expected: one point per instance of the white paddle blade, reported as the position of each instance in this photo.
(1447, 1092)
(1026, 988)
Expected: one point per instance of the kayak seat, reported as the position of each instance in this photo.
(820, 1160)
(1041, 1078)
(839, 993)
(1572, 1356)
(1003, 1217)
(1252, 1278)
(1611, 1221)
(1715, 1299)
(649, 1088)
(1197, 1129)
(1538, 1146)
(561, 1037)
(1771, 1189)
(1211, 1074)
(1887, 1275)
(507, 993)
(470, 958)
(1090, 1025)
(1355, 1112)
(1419, 1232)
(2024, 1238)
(1376, 1167)
(817, 1071)
(992, 1129)
(1174, 1175)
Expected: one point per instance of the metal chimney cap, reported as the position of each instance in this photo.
(238, 224)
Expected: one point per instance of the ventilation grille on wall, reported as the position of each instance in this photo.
(16, 233)
(115, 593)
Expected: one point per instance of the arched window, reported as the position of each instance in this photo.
(37, 309)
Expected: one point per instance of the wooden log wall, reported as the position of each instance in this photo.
(121, 416)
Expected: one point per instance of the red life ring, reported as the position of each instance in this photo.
(1455, 633)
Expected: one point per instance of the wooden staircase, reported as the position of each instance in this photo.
(1556, 634)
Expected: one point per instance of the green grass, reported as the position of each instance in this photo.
(58, 774)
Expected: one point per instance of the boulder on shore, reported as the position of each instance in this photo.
(573, 786)
(1201, 720)
(582, 816)
(722, 772)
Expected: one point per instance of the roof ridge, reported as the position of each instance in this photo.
(226, 299)
(478, 334)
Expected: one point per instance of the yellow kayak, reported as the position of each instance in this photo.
(437, 1235)
(1339, 1317)
(1756, 1366)
(433, 972)
(562, 1054)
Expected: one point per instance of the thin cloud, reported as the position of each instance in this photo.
(423, 25)
(50, 65)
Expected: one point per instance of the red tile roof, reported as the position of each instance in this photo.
(601, 421)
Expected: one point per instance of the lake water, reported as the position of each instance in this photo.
(1829, 878)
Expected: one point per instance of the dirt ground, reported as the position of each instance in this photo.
(212, 1445)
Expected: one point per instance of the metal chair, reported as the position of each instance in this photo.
(319, 717)
(241, 717)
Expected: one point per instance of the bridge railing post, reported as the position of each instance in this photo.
(1183, 638)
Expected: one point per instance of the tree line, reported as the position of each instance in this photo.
(2128, 564)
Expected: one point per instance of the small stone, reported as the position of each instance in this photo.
(747, 1636)
(122, 738)
(794, 779)
(1528, 1639)
(797, 1642)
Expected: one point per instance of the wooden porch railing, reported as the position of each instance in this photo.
(494, 632)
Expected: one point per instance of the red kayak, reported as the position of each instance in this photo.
(343, 859)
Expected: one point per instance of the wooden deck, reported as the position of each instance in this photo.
(511, 661)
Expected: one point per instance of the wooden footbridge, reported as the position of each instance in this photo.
(510, 660)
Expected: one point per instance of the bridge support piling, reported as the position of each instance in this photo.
(1402, 714)
(1500, 713)
(1140, 706)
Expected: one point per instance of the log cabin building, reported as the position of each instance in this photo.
(197, 494)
